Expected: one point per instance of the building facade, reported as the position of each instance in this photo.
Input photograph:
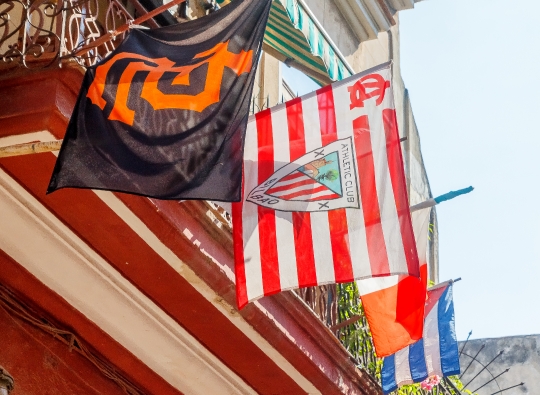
(104, 293)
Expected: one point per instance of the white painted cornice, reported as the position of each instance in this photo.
(399, 5)
(50, 251)
(61, 260)
(368, 18)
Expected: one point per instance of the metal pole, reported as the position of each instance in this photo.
(444, 390)
(509, 388)
(484, 368)
(474, 359)
(109, 36)
(447, 381)
(466, 341)
(30, 148)
(494, 378)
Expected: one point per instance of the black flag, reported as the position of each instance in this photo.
(165, 114)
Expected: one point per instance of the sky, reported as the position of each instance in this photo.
(472, 71)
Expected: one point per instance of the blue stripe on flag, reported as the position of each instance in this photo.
(388, 374)
(447, 334)
(417, 361)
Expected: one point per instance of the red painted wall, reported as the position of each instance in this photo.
(43, 365)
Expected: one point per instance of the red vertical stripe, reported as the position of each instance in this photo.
(339, 234)
(378, 257)
(399, 186)
(339, 230)
(267, 218)
(295, 122)
(303, 241)
(327, 114)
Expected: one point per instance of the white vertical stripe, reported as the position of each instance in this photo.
(403, 368)
(431, 342)
(250, 226)
(387, 204)
(355, 217)
(320, 227)
(284, 223)
(420, 222)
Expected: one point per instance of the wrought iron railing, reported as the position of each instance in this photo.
(38, 33)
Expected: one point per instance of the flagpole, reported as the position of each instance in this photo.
(443, 198)
(110, 35)
(30, 148)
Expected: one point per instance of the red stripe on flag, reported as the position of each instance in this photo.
(326, 197)
(308, 193)
(339, 229)
(267, 219)
(339, 234)
(292, 186)
(399, 186)
(239, 262)
(327, 114)
(303, 241)
(305, 257)
(292, 176)
(377, 252)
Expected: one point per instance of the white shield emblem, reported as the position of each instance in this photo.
(321, 180)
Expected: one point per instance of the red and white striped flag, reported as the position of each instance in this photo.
(324, 195)
(394, 305)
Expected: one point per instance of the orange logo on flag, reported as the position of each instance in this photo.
(359, 91)
(217, 59)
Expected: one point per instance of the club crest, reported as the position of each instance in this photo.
(321, 180)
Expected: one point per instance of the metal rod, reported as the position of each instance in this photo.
(109, 36)
(444, 390)
(30, 148)
(447, 381)
(509, 388)
(139, 8)
(494, 378)
(484, 368)
(472, 360)
(466, 341)
(352, 320)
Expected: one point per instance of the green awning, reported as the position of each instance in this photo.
(294, 34)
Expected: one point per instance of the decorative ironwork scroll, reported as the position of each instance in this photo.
(37, 33)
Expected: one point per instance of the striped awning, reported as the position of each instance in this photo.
(294, 34)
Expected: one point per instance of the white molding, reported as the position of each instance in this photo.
(365, 17)
(164, 252)
(49, 250)
(399, 5)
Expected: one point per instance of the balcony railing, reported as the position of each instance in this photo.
(40, 33)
